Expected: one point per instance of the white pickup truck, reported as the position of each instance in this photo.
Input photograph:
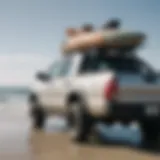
(94, 86)
(99, 84)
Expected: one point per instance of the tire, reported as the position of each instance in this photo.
(38, 118)
(151, 133)
(80, 123)
(37, 114)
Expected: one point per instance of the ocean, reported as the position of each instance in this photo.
(13, 93)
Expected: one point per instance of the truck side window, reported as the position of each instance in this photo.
(60, 68)
(88, 63)
(55, 69)
(66, 66)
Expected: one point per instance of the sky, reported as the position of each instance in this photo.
(31, 31)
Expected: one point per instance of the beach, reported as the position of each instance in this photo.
(18, 141)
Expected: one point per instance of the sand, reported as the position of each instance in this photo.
(19, 142)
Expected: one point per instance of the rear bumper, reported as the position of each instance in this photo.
(129, 111)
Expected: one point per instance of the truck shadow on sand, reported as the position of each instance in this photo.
(100, 142)
(113, 136)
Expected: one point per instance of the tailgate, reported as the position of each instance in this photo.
(134, 88)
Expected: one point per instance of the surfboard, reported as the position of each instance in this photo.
(107, 38)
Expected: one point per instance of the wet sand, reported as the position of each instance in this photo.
(19, 142)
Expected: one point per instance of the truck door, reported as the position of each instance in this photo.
(60, 83)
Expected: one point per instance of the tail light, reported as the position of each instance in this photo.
(111, 89)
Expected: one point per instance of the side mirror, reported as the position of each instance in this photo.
(42, 76)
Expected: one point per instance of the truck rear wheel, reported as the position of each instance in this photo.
(80, 123)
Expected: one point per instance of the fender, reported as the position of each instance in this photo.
(74, 96)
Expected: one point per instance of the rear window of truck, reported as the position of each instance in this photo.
(102, 63)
